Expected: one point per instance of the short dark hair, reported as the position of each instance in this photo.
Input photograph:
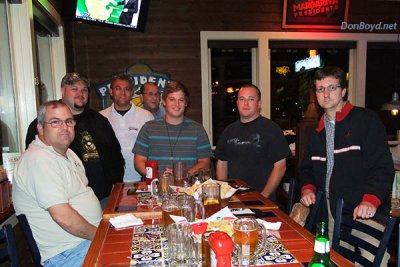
(41, 114)
(123, 77)
(148, 83)
(73, 77)
(249, 85)
(331, 71)
(175, 86)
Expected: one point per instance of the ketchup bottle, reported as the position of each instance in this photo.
(151, 170)
(222, 246)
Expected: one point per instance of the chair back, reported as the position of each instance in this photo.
(293, 197)
(32, 246)
(312, 217)
(344, 223)
(9, 249)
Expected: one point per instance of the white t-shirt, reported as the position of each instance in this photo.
(126, 129)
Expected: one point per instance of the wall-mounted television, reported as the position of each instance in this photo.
(127, 14)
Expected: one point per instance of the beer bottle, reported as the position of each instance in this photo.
(321, 248)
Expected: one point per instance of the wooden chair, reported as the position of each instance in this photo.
(312, 217)
(32, 246)
(9, 247)
(344, 223)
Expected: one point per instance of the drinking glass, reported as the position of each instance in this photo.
(169, 207)
(211, 195)
(246, 234)
(182, 249)
(162, 184)
(180, 174)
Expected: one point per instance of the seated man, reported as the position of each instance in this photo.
(174, 138)
(50, 187)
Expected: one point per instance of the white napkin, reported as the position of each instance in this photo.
(126, 220)
(224, 214)
(178, 219)
(270, 225)
(245, 211)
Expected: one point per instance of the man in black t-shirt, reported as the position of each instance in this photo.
(95, 142)
(253, 148)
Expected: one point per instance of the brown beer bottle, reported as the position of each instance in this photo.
(321, 248)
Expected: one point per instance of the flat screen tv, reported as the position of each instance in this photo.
(127, 14)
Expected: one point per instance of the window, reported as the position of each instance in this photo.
(8, 124)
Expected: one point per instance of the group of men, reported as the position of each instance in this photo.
(77, 149)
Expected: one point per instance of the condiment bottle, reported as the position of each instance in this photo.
(321, 248)
(151, 170)
(221, 245)
(198, 230)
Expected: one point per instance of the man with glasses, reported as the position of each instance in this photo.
(95, 142)
(150, 97)
(126, 120)
(50, 187)
(252, 148)
(347, 155)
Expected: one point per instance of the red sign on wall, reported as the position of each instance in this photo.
(316, 14)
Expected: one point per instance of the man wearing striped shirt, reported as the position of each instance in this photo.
(174, 137)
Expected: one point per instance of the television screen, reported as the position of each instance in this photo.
(129, 14)
(308, 63)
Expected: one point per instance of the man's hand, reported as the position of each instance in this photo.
(364, 210)
(308, 197)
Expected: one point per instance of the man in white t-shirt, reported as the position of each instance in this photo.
(126, 120)
(51, 188)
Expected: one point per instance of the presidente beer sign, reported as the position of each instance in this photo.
(318, 14)
(140, 74)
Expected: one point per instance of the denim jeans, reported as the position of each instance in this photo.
(70, 258)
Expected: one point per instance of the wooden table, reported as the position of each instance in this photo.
(113, 248)
(122, 203)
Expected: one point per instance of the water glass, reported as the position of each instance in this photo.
(182, 249)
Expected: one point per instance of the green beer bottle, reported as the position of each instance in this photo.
(321, 248)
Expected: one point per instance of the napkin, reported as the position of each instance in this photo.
(245, 211)
(270, 225)
(126, 220)
(224, 214)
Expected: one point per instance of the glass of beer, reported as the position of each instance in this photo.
(169, 207)
(211, 195)
(246, 234)
(161, 185)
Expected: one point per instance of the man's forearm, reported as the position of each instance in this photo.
(275, 178)
(201, 163)
(72, 222)
(222, 170)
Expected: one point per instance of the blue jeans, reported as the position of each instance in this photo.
(70, 258)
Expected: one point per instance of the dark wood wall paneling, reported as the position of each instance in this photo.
(171, 41)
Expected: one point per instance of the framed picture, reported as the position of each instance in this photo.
(311, 14)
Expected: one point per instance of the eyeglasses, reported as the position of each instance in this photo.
(152, 94)
(60, 123)
(330, 88)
